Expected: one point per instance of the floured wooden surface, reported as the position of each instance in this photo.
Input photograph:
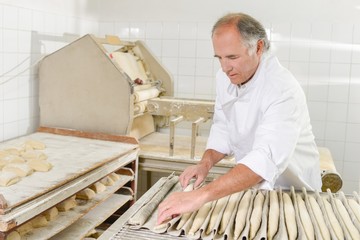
(70, 157)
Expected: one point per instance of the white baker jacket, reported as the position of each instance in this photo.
(265, 123)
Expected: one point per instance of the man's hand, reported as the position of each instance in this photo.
(199, 172)
(178, 203)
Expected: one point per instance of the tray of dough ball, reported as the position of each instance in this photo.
(40, 170)
(250, 214)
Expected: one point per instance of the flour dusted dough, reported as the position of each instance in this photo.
(230, 207)
(40, 165)
(86, 194)
(220, 204)
(200, 218)
(333, 220)
(114, 176)
(243, 208)
(25, 228)
(354, 233)
(34, 155)
(255, 219)
(289, 213)
(67, 204)
(274, 211)
(20, 169)
(107, 181)
(39, 221)
(319, 217)
(355, 207)
(34, 144)
(98, 187)
(8, 178)
(305, 218)
(14, 235)
(13, 159)
(51, 213)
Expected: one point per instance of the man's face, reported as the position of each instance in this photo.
(235, 59)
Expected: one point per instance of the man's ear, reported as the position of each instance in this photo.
(259, 46)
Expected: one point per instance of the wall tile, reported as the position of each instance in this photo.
(187, 66)
(352, 152)
(317, 110)
(352, 132)
(281, 50)
(155, 46)
(300, 51)
(38, 21)
(352, 171)
(337, 150)
(10, 110)
(354, 113)
(318, 128)
(186, 85)
(188, 30)
(10, 38)
(320, 52)
(25, 19)
(153, 30)
(204, 67)
(171, 64)
(10, 130)
(10, 17)
(170, 48)
(122, 30)
(170, 30)
(204, 30)
(203, 86)
(204, 49)
(335, 131)
(337, 112)
(281, 32)
(187, 48)
(321, 32)
(137, 30)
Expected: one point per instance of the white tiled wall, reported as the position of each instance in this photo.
(321, 48)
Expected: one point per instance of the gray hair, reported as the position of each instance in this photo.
(250, 29)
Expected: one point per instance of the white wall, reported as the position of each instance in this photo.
(319, 41)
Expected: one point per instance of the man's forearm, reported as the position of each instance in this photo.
(211, 157)
(237, 179)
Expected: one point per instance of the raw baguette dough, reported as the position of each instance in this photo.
(40, 165)
(51, 213)
(333, 220)
(85, 194)
(67, 204)
(290, 221)
(219, 205)
(240, 218)
(39, 221)
(319, 217)
(98, 187)
(305, 218)
(8, 178)
(274, 211)
(20, 169)
(255, 219)
(141, 216)
(228, 212)
(354, 233)
(200, 218)
(355, 207)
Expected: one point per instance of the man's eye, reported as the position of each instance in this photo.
(233, 57)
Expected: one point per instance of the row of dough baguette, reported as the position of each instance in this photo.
(260, 214)
(43, 219)
(17, 163)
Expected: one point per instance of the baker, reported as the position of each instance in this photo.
(261, 117)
